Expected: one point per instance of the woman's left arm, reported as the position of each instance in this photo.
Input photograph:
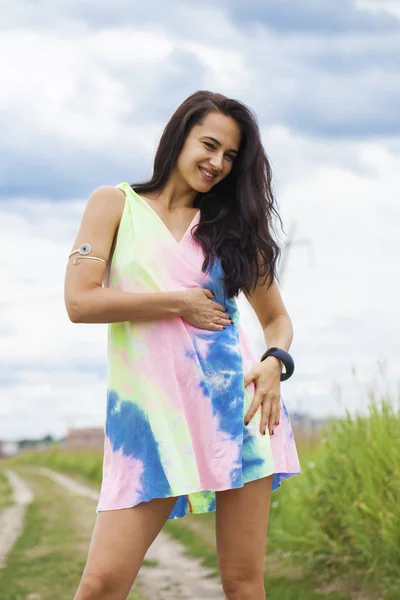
(278, 331)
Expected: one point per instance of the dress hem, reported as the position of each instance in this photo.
(280, 477)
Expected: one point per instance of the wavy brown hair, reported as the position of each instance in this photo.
(236, 214)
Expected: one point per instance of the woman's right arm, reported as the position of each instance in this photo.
(86, 300)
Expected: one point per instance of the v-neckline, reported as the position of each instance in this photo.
(162, 222)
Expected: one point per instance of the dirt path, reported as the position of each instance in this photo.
(12, 517)
(173, 576)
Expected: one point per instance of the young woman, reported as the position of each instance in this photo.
(195, 422)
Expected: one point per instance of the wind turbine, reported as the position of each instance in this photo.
(291, 241)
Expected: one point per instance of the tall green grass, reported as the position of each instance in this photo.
(342, 516)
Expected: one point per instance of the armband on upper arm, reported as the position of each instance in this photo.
(83, 250)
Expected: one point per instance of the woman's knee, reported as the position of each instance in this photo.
(95, 586)
(242, 584)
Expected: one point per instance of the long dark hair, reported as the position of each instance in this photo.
(236, 214)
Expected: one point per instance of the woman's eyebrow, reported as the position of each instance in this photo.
(219, 144)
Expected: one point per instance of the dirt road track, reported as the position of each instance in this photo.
(12, 517)
(174, 576)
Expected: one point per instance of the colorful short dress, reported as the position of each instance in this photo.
(175, 393)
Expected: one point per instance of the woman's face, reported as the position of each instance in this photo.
(209, 151)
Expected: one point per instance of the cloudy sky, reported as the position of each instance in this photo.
(86, 90)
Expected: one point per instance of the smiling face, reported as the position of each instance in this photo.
(209, 151)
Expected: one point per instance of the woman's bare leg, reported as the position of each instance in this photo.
(119, 543)
(241, 531)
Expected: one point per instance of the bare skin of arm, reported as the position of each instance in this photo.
(278, 331)
(272, 315)
(87, 301)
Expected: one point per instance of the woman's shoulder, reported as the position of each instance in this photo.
(104, 208)
(108, 199)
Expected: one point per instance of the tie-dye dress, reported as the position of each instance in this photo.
(175, 393)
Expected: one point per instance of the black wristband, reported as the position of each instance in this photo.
(284, 357)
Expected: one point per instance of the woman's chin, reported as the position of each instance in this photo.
(201, 187)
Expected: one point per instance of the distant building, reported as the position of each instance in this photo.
(84, 438)
(8, 448)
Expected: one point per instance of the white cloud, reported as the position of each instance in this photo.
(224, 68)
(69, 89)
(49, 401)
(392, 7)
(88, 90)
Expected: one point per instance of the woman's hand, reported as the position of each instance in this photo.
(267, 379)
(203, 312)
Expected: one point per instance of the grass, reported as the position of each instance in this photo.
(6, 496)
(348, 499)
(85, 463)
(340, 518)
(149, 562)
(49, 557)
(278, 587)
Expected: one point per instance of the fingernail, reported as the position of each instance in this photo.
(246, 423)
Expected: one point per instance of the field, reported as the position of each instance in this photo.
(334, 531)
(48, 558)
